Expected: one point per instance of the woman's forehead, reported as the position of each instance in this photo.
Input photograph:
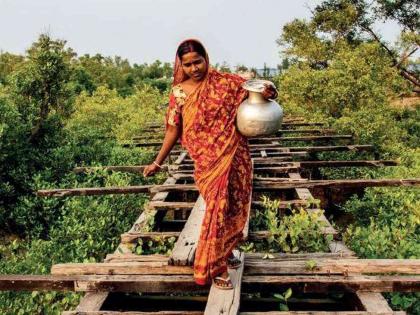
(191, 57)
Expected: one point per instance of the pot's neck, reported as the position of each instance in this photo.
(256, 98)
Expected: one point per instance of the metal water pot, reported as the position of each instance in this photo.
(257, 116)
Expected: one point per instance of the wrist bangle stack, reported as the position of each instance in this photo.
(154, 162)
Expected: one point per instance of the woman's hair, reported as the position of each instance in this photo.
(191, 46)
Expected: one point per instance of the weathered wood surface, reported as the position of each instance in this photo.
(332, 266)
(185, 283)
(173, 205)
(305, 131)
(254, 265)
(274, 147)
(373, 302)
(344, 183)
(301, 124)
(92, 301)
(134, 313)
(131, 237)
(94, 191)
(300, 138)
(282, 139)
(324, 313)
(184, 250)
(226, 302)
(319, 283)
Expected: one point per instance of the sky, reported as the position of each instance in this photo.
(233, 31)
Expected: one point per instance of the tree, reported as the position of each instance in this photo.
(335, 23)
(40, 86)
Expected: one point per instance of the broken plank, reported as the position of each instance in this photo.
(186, 244)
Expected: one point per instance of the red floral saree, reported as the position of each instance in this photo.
(223, 169)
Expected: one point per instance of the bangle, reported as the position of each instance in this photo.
(154, 162)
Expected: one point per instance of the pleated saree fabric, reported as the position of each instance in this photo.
(223, 169)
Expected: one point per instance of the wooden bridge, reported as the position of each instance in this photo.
(336, 282)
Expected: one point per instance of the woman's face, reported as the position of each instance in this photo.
(194, 66)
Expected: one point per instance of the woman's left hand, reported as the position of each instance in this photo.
(269, 92)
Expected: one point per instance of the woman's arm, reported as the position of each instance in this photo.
(171, 136)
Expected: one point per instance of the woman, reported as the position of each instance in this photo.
(202, 109)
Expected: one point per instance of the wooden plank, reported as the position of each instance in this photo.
(137, 169)
(245, 230)
(133, 313)
(92, 301)
(373, 302)
(320, 283)
(94, 191)
(324, 313)
(121, 268)
(226, 301)
(184, 249)
(253, 266)
(283, 139)
(344, 183)
(301, 124)
(305, 131)
(301, 138)
(173, 205)
(332, 266)
(185, 283)
(326, 148)
(131, 237)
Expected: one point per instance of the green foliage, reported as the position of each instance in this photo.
(283, 299)
(298, 232)
(157, 245)
(58, 111)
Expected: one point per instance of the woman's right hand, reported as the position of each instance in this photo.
(150, 170)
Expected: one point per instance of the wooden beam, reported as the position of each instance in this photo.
(324, 313)
(332, 266)
(94, 191)
(308, 283)
(184, 250)
(344, 183)
(301, 138)
(135, 313)
(301, 124)
(173, 205)
(305, 131)
(185, 283)
(254, 265)
(373, 302)
(326, 148)
(92, 301)
(226, 302)
(131, 237)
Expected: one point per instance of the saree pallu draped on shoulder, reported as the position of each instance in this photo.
(223, 169)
